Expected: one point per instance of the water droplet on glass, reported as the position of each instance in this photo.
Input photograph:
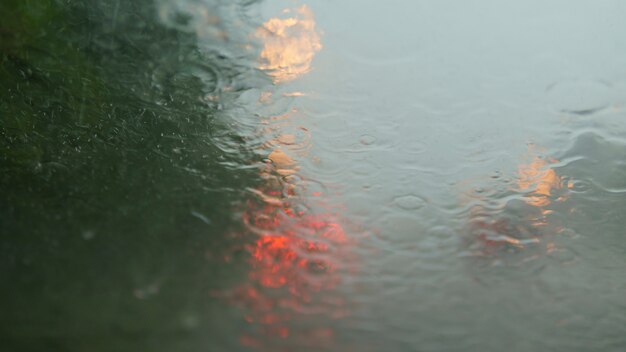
(578, 186)
(202, 217)
(580, 97)
(88, 235)
(190, 322)
(409, 202)
(146, 292)
(367, 139)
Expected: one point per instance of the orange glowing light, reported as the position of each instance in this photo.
(538, 179)
(295, 260)
(296, 256)
(284, 164)
(289, 45)
(281, 159)
(538, 183)
(294, 263)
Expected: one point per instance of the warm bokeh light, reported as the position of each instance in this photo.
(538, 179)
(294, 261)
(284, 164)
(297, 254)
(538, 184)
(289, 45)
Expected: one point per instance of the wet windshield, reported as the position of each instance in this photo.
(217, 175)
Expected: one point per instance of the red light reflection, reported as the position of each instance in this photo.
(297, 255)
(294, 267)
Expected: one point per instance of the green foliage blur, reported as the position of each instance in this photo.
(116, 177)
